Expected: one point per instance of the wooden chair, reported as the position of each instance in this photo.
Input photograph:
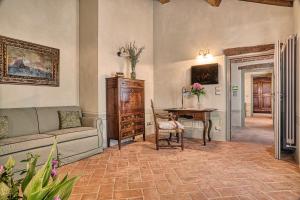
(166, 123)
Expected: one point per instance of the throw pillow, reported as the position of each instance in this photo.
(69, 119)
(3, 126)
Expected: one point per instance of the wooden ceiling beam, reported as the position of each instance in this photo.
(257, 66)
(164, 1)
(250, 49)
(286, 3)
(215, 3)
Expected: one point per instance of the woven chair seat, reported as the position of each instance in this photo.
(170, 125)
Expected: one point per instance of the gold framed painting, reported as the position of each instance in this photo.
(28, 63)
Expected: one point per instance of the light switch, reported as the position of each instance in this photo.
(217, 90)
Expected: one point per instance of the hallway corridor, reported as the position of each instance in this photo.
(258, 129)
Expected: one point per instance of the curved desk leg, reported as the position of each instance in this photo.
(209, 129)
(204, 132)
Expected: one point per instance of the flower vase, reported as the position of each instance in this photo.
(198, 103)
(133, 74)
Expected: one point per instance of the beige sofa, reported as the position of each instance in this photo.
(34, 130)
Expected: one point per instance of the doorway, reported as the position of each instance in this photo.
(250, 97)
(284, 93)
(256, 106)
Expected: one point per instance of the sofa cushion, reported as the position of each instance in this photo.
(69, 119)
(77, 147)
(22, 121)
(3, 126)
(48, 117)
(43, 153)
(64, 135)
(22, 143)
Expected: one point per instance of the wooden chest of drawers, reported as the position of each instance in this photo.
(125, 108)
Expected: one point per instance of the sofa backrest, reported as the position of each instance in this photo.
(21, 121)
(48, 117)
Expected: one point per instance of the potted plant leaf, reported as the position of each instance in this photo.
(42, 184)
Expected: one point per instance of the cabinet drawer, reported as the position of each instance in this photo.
(132, 83)
(133, 132)
(132, 125)
(132, 117)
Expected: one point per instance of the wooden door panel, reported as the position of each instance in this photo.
(266, 88)
(262, 94)
(255, 89)
(255, 104)
(267, 105)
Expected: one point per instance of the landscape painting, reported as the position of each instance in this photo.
(28, 63)
(22, 62)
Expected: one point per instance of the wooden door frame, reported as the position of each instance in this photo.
(240, 58)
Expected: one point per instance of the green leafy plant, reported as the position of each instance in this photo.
(133, 53)
(42, 184)
(9, 188)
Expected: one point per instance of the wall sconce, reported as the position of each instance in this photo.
(204, 55)
(122, 52)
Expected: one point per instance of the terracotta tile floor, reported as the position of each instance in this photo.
(221, 170)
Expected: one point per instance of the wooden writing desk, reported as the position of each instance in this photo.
(197, 114)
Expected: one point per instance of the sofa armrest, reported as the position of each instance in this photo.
(95, 123)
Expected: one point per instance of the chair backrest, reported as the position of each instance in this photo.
(154, 114)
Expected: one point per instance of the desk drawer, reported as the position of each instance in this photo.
(201, 116)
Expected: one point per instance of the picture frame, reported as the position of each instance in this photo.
(26, 63)
(207, 74)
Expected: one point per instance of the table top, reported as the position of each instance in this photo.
(191, 109)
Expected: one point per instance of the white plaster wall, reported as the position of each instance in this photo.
(182, 28)
(52, 23)
(236, 107)
(297, 30)
(88, 47)
(120, 22)
(248, 93)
